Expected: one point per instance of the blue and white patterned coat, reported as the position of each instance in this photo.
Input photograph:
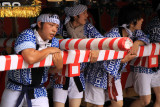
(27, 40)
(97, 75)
(90, 32)
(153, 32)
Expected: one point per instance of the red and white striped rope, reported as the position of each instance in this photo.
(12, 62)
(152, 50)
(119, 43)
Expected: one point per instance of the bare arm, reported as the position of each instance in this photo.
(135, 46)
(133, 51)
(32, 56)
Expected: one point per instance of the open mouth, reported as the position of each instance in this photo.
(52, 35)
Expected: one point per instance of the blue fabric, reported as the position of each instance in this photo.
(153, 32)
(97, 75)
(90, 32)
(26, 40)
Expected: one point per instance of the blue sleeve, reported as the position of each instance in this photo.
(140, 35)
(92, 32)
(113, 66)
(25, 40)
(55, 42)
(113, 33)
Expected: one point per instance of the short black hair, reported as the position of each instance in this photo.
(129, 14)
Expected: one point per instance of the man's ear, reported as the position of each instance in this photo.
(39, 24)
(131, 25)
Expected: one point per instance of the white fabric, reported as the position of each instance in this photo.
(94, 95)
(42, 44)
(9, 99)
(74, 11)
(143, 82)
(127, 30)
(75, 33)
(47, 18)
(60, 95)
(98, 96)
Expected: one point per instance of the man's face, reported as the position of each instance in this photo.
(82, 18)
(48, 30)
(138, 26)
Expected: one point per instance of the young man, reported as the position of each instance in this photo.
(25, 86)
(76, 26)
(129, 20)
(144, 79)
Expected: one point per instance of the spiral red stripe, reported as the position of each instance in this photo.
(115, 55)
(20, 62)
(42, 63)
(8, 62)
(86, 56)
(77, 56)
(67, 43)
(120, 42)
(77, 43)
(88, 45)
(65, 57)
(101, 43)
(153, 48)
(61, 40)
(111, 43)
(106, 54)
(141, 51)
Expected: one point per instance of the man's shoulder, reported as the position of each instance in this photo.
(26, 35)
(27, 31)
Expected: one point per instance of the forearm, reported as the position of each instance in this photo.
(139, 43)
(32, 56)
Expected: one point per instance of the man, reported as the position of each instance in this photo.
(25, 86)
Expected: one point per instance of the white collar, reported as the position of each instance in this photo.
(39, 40)
(127, 30)
(42, 44)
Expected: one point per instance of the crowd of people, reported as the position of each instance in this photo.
(25, 87)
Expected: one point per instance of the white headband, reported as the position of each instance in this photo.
(47, 18)
(74, 11)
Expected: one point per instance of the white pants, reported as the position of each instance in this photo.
(9, 99)
(98, 96)
(143, 82)
(60, 95)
